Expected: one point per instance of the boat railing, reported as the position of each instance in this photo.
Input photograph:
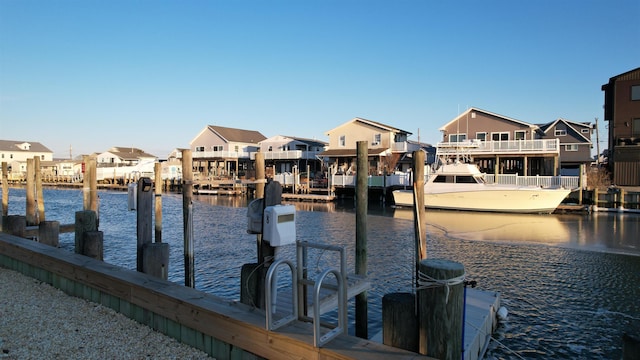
(568, 182)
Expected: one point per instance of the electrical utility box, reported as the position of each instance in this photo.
(279, 225)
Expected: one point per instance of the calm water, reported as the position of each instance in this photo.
(571, 282)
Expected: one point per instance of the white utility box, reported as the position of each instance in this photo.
(279, 225)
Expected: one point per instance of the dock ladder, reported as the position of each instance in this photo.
(330, 290)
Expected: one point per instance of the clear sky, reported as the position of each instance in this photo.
(152, 74)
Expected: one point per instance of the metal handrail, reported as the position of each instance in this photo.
(318, 339)
(271, 293)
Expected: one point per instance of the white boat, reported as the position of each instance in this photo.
(461, 186)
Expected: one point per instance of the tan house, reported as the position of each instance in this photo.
(503, 145)
(16, 152)
(387, 147)
(224, 152)
(287, 153)
(622, 111)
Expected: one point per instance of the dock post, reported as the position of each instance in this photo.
(156, 260)
(15, 225)
(144, 200)
(5, 194)
(362, 198)
(187, 219)
(418, 208)
(399, 321)
(158, 202)
(440, 308)
(92, 244)
(48, 233)
(39, 195)
(30, 194)
(86, 220)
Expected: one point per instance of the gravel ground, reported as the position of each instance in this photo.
(38, 321)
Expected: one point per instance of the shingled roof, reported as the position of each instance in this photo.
(237, 135)
(14, 146)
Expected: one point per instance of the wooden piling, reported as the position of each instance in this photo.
(39, 193)
(144, 200)
(260, 175)
(362, 198)
(399, 321)
(16, 225)
(92, 244)
(30, 194)
(440, 308)
(156, 260)
(86, 220)
(49, 233)
(187, 220)
(158, 202)
(5, 194)
(418, 208)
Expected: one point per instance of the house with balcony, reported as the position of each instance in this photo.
(284, 154)
(219, 151)
(124, 156)
(388, 147)
(622, 112)
(502, 145)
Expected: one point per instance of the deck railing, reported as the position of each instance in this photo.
(471, 147)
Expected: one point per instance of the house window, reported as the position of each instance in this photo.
(199, 148)
(236, 148)
(635, 92)
(635, 126)
(571, 147)
(343, 141)
(481, 136)
(500, 136)
(520, 134)
(376, 139)
(561, 132)
(457, 137)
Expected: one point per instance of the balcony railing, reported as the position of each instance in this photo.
(220, 154)
(471, 147)
(287, 155)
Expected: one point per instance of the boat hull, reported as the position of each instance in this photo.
(493, 199)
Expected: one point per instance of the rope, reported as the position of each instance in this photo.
(426, 282)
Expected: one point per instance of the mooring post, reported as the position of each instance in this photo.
(158, 203)
(418, 208)
(92, 244)
(86, 220)
(86, 179)
(5, 194)
(30, 194)
(440, 308)
(362, 198)
(187, 218)
(39, 194)
(399, 321)
(272, 196)
(16, 225)
(144, 200)
(48, 233)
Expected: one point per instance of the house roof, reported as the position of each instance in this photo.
(572, 124)
(14, 145)
(349, 152)
(371, 123)
(631, 74)
(237, 135)
(307, 141)
(129, 153)
(473, 109)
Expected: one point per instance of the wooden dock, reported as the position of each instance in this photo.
(308, 197)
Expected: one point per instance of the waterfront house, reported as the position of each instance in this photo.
(287, 154)
(16, 152)
(388, 147)
(219, 151)
(124, 156)
(502, 145)
(622, 111)
(575, 143)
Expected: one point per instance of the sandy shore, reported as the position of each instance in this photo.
(38, 321)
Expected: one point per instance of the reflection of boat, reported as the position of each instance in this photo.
(547, 229)
(461, 186)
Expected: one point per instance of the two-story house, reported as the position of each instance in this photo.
(387, 147)
(575, 143)
(223, 152)
(123, 156)
(283, 153)
(502, 145)
(16, 152)
(622, 111)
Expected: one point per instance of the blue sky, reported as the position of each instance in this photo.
(152, 74)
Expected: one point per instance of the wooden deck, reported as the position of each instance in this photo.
(214, 325)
